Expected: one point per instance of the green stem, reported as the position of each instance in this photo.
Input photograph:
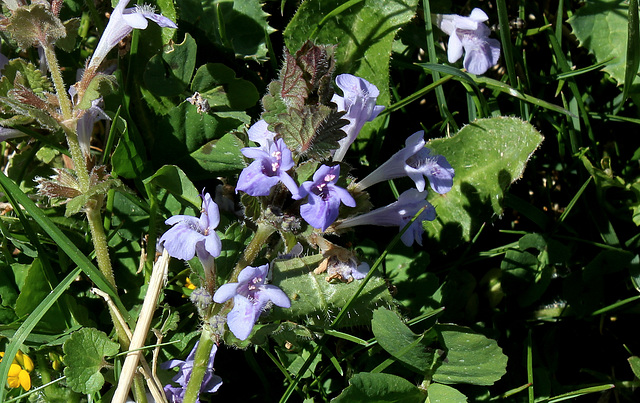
(100, 242)
(200, 363)
(79, 161)
(58, 82)
(263, 233)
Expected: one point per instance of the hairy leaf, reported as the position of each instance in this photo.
(318, 301)
(487, 155)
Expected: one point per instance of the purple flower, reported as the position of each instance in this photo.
(481, 52)
(260, 133)
(3, 60)
(416, 162)
(190, 235)
(121, 23)
(270, 167)
(359, 101)
(87, 121)
(398, 213)
(210, 382)
(322, 206)
(250, 297)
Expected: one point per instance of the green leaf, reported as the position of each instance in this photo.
(172, 179)
(84, 357)
(184, 131)
(365, 33)
(218, 84)
(379, 388)
(234, 240)
(312, 130)
(439, 393)
(602, 27)
(36, 288)
(634, 362)
(129, 157)
(471, 357)
(237, 25)
(221, 156)
(169, 73)
(487, 155)
(68, 43)
(32, 320)
(318, 301)
(398, 340)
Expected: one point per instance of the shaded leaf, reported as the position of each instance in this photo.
(398, 340)
(169, 73)
(379, 388)
(218, 84)
(439, 393)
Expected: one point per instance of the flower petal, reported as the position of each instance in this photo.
(276, 295)
(242, 317)
(225, 292)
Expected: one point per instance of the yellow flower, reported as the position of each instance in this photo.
(188, 284)
(19, 371)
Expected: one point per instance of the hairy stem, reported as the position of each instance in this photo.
(263, 233)
(100, 242)
(200, 362)
(58, 82)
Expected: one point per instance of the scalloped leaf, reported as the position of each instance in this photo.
(35, 24)
(28, 76)
(84, 357)
(488, 155)
(318, 301)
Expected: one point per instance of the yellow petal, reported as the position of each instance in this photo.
(12, 379)
(27, 363)
(25, 380)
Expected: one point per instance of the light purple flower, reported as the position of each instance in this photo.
(322, 206)
(3, 60)
(481, 52)
(250, 297)
(270, 167)
(210, 382)
(190, 235)
(416, 162)
(260, 133)
(121, 23)
(359, 101)
(398, 213)
(87, 121)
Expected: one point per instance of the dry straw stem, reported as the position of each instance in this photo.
(156, 283)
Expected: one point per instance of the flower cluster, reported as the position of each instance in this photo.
(19, 372)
